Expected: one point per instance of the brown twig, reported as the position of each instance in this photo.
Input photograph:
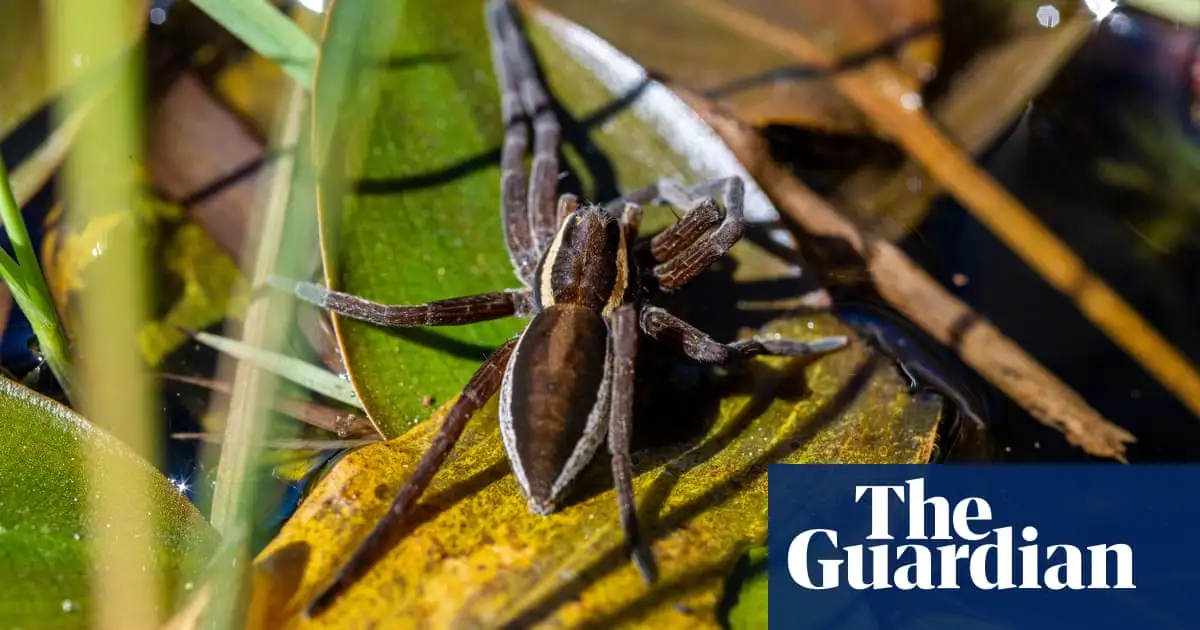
(919, 297)
(984, 97)
(901, 117)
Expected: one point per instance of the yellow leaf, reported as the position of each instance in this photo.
(473, 554)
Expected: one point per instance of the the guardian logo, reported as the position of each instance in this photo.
(974, 552)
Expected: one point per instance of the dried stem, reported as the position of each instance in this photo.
(918, 296)
(898, 116)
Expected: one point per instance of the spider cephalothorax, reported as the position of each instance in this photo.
(566, 382)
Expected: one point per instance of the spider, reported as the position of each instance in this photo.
(566, 382)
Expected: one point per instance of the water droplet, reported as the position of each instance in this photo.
(1047, 16)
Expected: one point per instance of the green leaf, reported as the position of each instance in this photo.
(749, 611)
(476, 555)
(267, 31)
(417, 194)
(305, 374)
(411, 211)
(44, 533)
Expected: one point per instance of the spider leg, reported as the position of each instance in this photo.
(452, 312)
(543, 178)
(662, 325)
(702, 214)
(479, 390)
(623, 326)
(665, 189)
(698, 256)
(513, 179)
(566, 205)
(700, 217)
(631, 218)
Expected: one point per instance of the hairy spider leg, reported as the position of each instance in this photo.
(623, 329)
(482, 386)
(514, 209)
(522, 85)
(662, 325)
(701, 213)
(450, 312)
(697, 257)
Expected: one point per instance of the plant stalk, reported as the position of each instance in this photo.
(28, 285)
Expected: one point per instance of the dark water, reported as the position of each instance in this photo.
(1122, 98)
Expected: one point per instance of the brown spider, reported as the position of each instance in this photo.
(567, 380)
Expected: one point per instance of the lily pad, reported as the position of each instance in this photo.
(44, 529)
(473, 554)
(414, 205)
(412, 212)
(478, 557)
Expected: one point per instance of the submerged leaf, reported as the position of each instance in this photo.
(44, 496)
(196, 276)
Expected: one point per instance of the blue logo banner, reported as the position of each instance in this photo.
(944, 547)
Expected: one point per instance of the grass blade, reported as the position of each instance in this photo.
(299, 372)
(267, 31)
(28, 286)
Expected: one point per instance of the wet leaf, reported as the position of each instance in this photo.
(756, 82)
(43, 501)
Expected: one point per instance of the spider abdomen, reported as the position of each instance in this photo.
(554, 401)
